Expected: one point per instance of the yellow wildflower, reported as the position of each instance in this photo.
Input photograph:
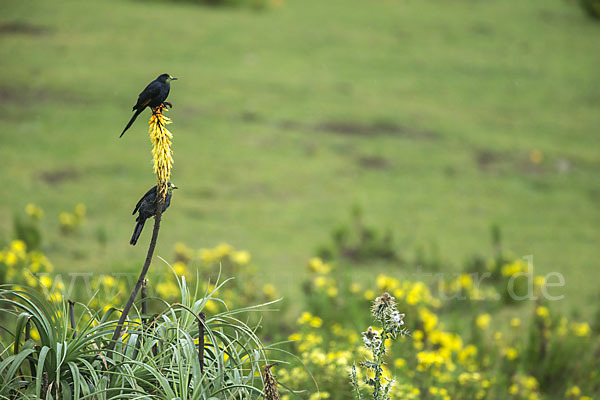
(369, 295)
(355, 288)
(167, 289)
(46, 281)
(573, 391)
(33, 211)
(483, 321)
(317, 265)
(241, 257)
(270, 291)
(295, 337)
(180, 268)
(515, 322)
(542, 312)
(80, 210)
(108, 281)
(319, 395)
(399, 363)
(19, 247)
(511, 353)
(223, 249)
(386, 283)
(332, 291)
(320, 281)
(466, 281)
(10, 258)
(580, 329)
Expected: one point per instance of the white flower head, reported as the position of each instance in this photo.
(397, 318)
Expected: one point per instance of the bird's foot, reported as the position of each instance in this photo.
(167, 104)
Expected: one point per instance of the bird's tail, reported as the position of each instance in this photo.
(137, 232)
(137, 112)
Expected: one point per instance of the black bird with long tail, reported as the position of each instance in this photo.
(147, 208)
(152, 96)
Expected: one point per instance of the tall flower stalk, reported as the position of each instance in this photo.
(163, 161)
(391, 321)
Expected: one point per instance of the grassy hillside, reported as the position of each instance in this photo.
(439, 118)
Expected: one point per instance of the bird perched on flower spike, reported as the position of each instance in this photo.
(152, 96)
(147, 208)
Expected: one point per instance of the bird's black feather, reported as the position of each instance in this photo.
(146, 208)
(152, 96)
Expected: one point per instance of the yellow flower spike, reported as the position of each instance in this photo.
(160, 137)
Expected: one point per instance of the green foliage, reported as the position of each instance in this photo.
(44, 356)
(359, 242)
(464, 107)
(591, 7)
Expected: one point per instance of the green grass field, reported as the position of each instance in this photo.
(423, 112)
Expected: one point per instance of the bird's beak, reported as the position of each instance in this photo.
(173, 79)
(175, 187)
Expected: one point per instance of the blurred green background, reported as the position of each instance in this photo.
(439, 118)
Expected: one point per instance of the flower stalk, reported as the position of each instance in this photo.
(163, 161)
(391, 321)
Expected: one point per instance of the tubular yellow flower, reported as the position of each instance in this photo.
(161, 152)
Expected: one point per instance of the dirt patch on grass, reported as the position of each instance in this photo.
(24, 96)
(487, 159)
(350, 128)
(523, 162)
(22, 28)
(373, 162)
(59, 176)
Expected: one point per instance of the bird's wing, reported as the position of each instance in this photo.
(150, 92)
(139, 203)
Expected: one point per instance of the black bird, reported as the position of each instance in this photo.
(147, 209)
(154, 95)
